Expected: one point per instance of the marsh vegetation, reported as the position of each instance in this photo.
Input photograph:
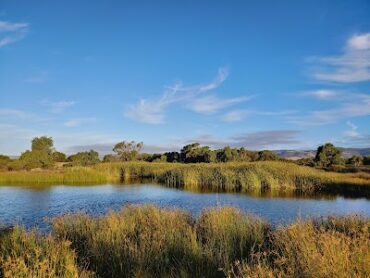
(262, 176)
(146, 241)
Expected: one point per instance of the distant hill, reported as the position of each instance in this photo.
(297, 154)
(348, 152)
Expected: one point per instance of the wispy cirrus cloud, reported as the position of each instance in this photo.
(79, 121)
(352, 132)
(152, 111)
(16, 115)
(241, 114)
(11, 32)
(212, 104)
(58, 106)
(346, 105)
(322, 94)
(353, 65)
(353, 137)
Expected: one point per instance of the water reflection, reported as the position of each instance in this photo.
(29, 205)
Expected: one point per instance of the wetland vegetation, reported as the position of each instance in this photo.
(195, 168)
(147, 241)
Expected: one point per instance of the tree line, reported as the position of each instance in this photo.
(43, 155)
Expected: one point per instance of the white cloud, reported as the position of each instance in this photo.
(11, 27)
(212, 104)
(349, 105)
(359, 42)
(152, 111)
(239, 115)
(236, 115)
(352, 132)
(12, 32)
(148, 111)
(323, 94)
(79, 121)
(16, 114)
(59, 106)
(352, 66)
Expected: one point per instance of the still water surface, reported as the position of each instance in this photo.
(29, 206)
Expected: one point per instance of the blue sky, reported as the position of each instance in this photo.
(258, 74)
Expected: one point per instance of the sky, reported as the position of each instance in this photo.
(253, 74)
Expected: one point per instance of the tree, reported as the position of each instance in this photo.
(127, 151)
(58, 157)
(173, 156)
(193, 153)
(43, 144)
(110, 158)
(35, 159)
(355, 160)
(4, 162)
(328, 155)
(84, 158)
(226, 154)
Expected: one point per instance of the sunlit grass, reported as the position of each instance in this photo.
(232, 177)
(28, 254)
(146, 241)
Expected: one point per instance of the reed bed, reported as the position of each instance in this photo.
(245, 177)
(232, 177)
(147, 241)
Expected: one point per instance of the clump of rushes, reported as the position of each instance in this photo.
(135, 242)
(227, 235)
(27, 254)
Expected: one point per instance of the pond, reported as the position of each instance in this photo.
(29, 206)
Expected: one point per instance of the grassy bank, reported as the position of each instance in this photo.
(235, 177)
(145, 241)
